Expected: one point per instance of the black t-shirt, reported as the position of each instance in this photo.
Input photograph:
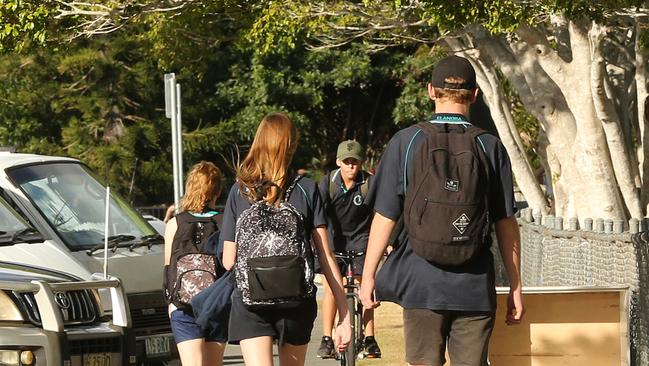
(408, 279)
(304, 197)
(348, 213)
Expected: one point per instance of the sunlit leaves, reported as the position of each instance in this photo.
(23, 23)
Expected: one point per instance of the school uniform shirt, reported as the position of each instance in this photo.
(410, 280)
(348, 213)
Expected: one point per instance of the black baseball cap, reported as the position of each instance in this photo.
(454, 66)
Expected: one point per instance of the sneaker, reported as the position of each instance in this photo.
(371, 348)
(326, 349)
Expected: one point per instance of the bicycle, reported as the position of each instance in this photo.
(355, 308)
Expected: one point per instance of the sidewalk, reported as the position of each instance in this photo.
(233, 353)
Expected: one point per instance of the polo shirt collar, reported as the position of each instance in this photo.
(452, 118)
(338, 179)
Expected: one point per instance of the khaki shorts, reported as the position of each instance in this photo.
(427, 333)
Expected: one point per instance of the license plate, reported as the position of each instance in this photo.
(156, 346)
(96, 359)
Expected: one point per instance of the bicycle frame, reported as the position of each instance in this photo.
(355, 308)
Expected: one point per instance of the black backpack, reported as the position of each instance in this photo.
(193, 265)
(274, 266)
(446, 209)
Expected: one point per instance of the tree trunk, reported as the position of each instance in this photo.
(611, 123)
(588, 159)
(502, 115)
(643, 138)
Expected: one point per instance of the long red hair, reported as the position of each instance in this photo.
(269, 158)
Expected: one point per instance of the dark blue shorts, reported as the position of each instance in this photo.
(184, 328)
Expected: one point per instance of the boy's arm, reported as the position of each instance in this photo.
(509, 243)
(379, 234)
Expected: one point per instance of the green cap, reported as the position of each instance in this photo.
(349, 149)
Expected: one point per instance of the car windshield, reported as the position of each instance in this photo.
(74, 203)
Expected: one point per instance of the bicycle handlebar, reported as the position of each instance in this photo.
(348, 255)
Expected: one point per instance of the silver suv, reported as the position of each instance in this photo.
(64, 201)
(51, 318)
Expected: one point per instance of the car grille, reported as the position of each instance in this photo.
(83, 346)
(149, 313)
(76, 307)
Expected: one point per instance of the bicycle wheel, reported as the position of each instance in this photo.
(350, 354)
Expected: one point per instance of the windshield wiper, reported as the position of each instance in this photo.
(27, 234)
(5, 238)
(113, 242)
(147, 240)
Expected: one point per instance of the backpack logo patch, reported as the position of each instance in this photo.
(461, 223)
(452, 185)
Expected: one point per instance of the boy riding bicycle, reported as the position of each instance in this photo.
(345, 194)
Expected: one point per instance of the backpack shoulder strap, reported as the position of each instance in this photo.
(427, 129)
(186, 218)
(475, 133)
(365, 186)
(290, 188)
(333, 187)
(218, 220)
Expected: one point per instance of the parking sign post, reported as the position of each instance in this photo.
(173, 111)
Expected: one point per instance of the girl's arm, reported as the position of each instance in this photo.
(331, 271)
(229, 254)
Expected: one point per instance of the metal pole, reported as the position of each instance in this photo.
(179, 143)
(174, 140)
(106, 228)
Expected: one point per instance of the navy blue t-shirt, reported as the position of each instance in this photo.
(408, 279)
(304, 197)
(348, 213)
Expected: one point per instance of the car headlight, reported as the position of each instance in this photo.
(8, 309)
(17, 357)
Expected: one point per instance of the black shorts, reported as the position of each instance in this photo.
(358, 266)
(292, 326)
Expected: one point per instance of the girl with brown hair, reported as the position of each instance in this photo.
(265, 175)
(189, 262)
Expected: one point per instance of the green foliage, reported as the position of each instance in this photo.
(85, 102)
(101, 99)
(275, 29)
(414, 105)
(23, 23)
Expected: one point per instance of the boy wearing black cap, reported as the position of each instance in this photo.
(345, 195)
(445, 306)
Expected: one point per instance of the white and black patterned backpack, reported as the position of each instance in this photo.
(274, 266)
